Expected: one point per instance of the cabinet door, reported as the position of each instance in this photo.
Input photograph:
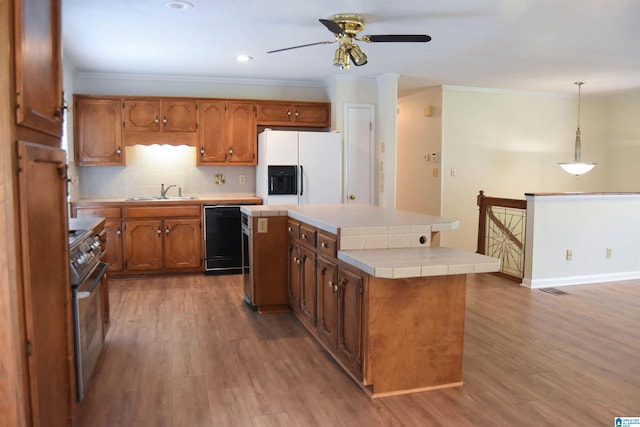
(143, 243)
(179, 116)
(38, 77)
(141, 115)
(98, 132)
(183, 244)
(308, 285)
(113, 229)
(213, 132)
(46, 295)
(350, 288)
(242, 138)
(293, 289)
(312, 114)
(327, 283)
(274, 113)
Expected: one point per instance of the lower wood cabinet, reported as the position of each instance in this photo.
(154, 245)
(326, 295)
(149, 239)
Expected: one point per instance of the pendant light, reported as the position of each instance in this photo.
(577, 167)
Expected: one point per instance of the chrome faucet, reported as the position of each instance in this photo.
(163, 191)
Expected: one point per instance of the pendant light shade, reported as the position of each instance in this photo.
(577, 167)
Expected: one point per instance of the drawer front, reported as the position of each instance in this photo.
(327, 244)
(293, 229)
(163, 211)
(98, 212)
(308, 235)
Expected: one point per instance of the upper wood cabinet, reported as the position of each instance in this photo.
(227, 133)
(97, 131)
(159, 121)
(38, 70)
(312, 114)
(160, 115)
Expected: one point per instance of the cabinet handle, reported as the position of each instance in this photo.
(289, 113)
(159, 232)
(324, 245)
(296, 114)
(118, 151)
(303, 236)
(118, 233)
(164, 120)
(166, 231)
(230, 152)
(290, 229)
(201, 151)
(156, 121)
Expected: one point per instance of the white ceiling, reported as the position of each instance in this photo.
(532, 45)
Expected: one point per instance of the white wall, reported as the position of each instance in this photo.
(586, 225)
(509, 144)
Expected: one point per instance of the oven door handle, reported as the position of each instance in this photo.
(97, 278)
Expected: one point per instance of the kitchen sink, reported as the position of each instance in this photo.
(159, 199)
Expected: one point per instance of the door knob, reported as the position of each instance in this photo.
(352, 197)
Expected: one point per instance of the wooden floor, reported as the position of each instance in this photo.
(186, 351)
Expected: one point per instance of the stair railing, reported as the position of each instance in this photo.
(501, 232)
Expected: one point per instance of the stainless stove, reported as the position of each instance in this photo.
(85, 253)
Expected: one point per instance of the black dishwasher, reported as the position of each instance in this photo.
(222, 240)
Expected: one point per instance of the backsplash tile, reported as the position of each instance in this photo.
(149, 166)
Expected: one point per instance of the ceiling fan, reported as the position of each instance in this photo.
(346, 27)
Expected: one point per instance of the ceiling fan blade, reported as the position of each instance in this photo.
(302, 45)
(332, 26)
(397, 38)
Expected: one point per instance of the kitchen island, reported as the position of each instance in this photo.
(367, 284)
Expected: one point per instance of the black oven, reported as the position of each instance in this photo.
(283, 180)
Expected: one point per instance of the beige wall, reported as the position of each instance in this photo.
(507, 143)
(623, 116)
(418, 173)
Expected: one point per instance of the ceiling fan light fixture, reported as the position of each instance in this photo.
(178, 4)
(357, 55)
(339, 58)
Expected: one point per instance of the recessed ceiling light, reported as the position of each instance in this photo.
(178, 4)
(243, 58)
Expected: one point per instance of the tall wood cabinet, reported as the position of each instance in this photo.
(36, 355)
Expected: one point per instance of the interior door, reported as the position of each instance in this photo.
(359, 153)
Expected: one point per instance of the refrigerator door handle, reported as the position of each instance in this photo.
(301, 181)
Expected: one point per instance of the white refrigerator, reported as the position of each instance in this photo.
(317, 158)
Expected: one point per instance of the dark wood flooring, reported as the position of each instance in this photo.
(186, 351)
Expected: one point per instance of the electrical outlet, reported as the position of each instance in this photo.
(243, 179)
(608, 253)
(569, 255)
(434, 172)
(263, 225)
(452, 172)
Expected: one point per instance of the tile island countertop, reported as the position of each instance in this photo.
(386, 243)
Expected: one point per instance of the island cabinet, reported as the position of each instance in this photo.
(98, 131)
(325, 294)
(163, 239)
(113, 232)
(227, 133)
(159, 120)
(283, 113)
